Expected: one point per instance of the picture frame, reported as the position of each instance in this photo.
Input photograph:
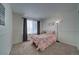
(2, 15)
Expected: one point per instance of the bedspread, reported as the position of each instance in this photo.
(42, 41)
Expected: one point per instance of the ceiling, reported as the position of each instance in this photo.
(41, 10)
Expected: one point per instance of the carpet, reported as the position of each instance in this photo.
(55, 49)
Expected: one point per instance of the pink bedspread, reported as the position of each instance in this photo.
(42, 41)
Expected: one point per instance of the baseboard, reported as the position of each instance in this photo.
(67, 42)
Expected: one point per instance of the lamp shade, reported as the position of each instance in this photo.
(58, 21)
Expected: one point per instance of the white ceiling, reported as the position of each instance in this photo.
(41, 10)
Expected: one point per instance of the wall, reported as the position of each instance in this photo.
(68, 29)
(77, 27)
(6, 31)
(45, 25)
(17, 28)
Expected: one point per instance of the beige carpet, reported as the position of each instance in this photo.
(56, 49)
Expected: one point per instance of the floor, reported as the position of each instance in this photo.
(56, 49)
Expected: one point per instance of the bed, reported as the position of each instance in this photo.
(43, 41)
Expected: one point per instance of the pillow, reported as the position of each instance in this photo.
(43, 32)
(53, 32)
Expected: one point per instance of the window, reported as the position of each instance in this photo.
(31, 27)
